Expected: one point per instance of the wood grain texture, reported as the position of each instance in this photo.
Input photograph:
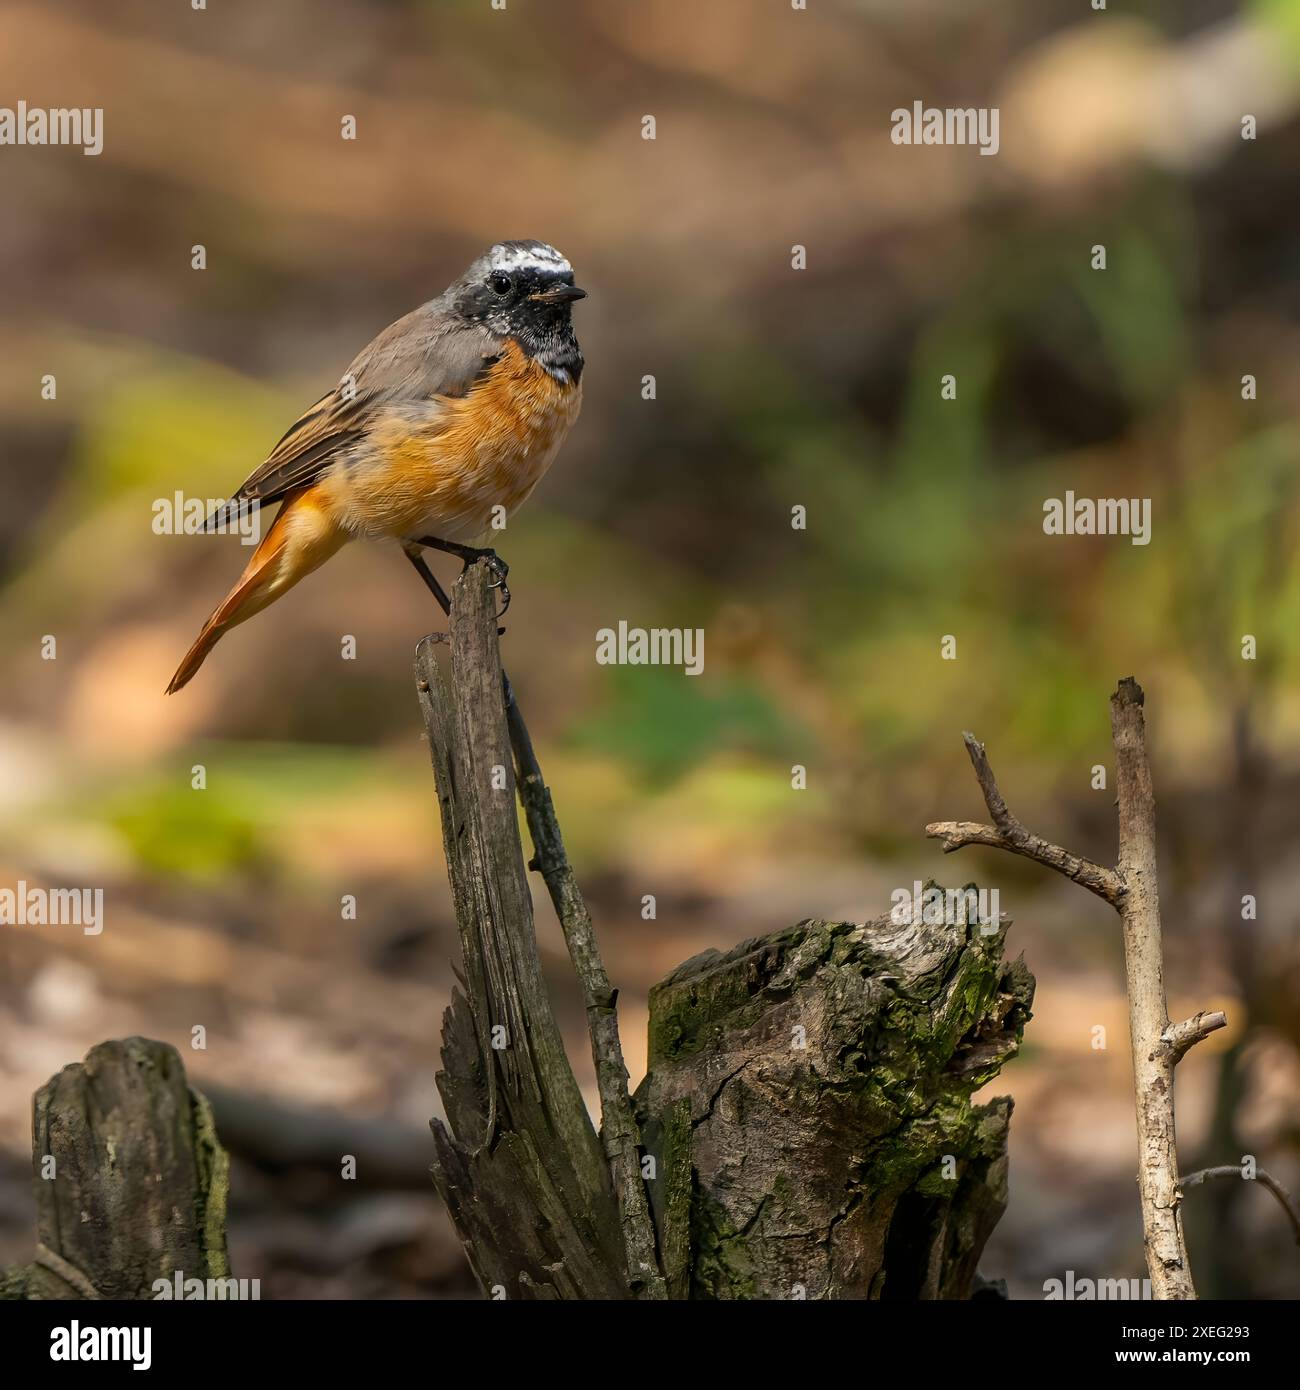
(518, 1162)
(620, 1136)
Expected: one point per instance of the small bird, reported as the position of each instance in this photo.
(440, 428)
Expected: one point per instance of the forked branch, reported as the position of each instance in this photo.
(1007, 833)
(1131, 889)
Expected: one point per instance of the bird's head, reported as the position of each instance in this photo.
(518, 289)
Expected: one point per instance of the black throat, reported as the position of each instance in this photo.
(552, 341)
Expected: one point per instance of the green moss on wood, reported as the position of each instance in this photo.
(828, 1071)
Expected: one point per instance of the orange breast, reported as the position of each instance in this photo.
(445, 469)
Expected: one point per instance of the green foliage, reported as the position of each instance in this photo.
(1282, 18)
(232, 827)
(663, 722)
(172, 424)
(173, 830)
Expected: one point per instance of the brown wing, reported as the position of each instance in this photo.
(307, 446)
(425, 354)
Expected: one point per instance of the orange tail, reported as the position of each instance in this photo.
(302, 537)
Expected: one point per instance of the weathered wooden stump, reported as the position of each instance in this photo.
(808, 1105)
(805, 1129)
(130, 1179)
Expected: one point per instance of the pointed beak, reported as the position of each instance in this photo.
(558, 294)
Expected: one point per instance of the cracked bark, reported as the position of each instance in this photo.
(815, 1086)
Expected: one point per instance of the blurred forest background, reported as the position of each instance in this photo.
(775, 388)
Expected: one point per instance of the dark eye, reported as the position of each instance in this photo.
(501, 284)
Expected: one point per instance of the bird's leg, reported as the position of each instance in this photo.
(429, 578)
(431, 581)
(468, 554)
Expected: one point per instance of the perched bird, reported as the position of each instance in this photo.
(440, 428)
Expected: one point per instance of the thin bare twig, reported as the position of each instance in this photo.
(1131, 889)
(1265, 1179)
(1154, 1059)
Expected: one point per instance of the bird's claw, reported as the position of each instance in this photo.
(498, 568)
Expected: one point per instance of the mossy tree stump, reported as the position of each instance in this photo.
(808, 1104)
(805, 1130)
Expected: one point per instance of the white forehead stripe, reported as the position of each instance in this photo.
(530, 258)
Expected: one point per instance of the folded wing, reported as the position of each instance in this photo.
(423, 356)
